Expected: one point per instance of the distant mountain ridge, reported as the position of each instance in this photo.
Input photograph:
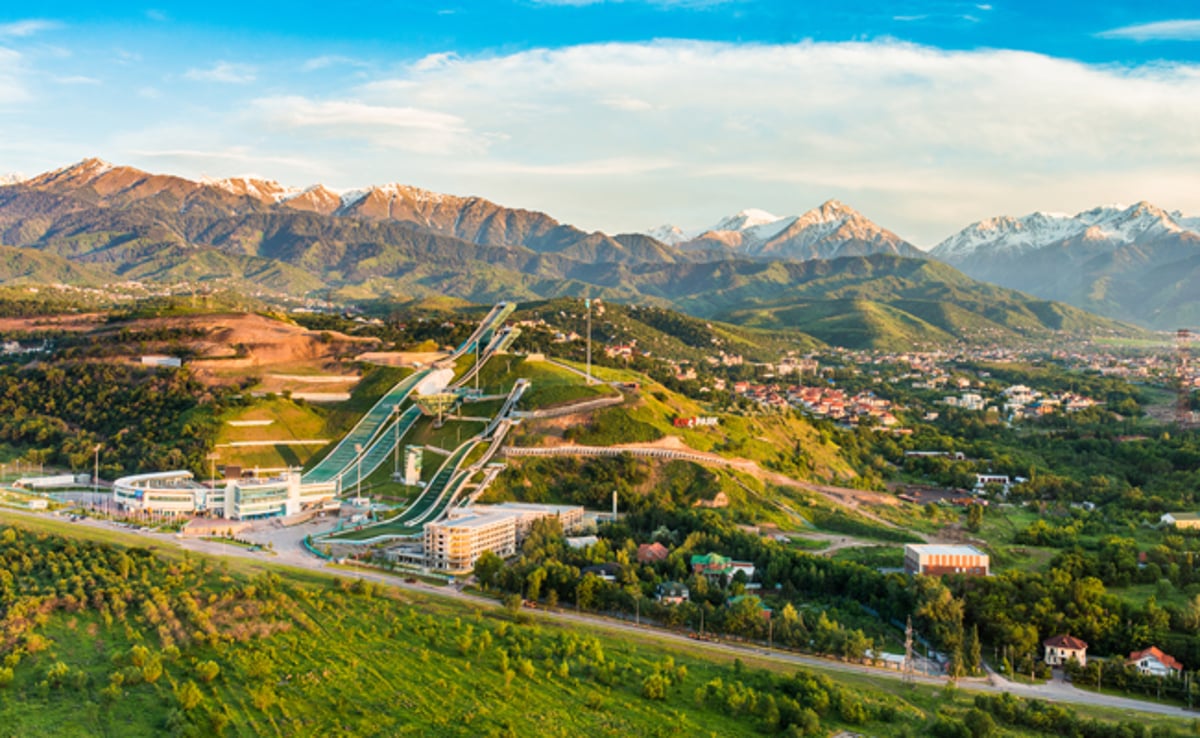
(828, 231)
(94, 221)
(1138, 262)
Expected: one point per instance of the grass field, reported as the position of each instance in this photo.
(299, 653)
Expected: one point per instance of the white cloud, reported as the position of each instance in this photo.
(223, 71)
(12, 77)
(221, 158)
(76, 79)
(1169, 30)
(922, 139)
(329, 60)
(23, 28)
(387, 126)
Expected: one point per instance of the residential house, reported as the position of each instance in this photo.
(1181, 519)
(649, 553)
(713, 565)
(671, 593)
(1153, 662)
(1062, 648)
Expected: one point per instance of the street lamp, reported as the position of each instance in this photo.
(358, 449)
(396, 450)
(96, 473)
(588, 304)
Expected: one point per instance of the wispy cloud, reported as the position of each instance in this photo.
(387, 126)
(330, 60)
(12, 77)
(239, 155)
(968, 134)
(22, 28)
(224, 72)
(1169, 30)
(76, 79)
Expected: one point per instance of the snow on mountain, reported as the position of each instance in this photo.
(670, 234)
(1114, 224)
(744, 220)
(1191, 224)
(11, 178)
(266, 190)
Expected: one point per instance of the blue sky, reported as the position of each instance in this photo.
(619, 116)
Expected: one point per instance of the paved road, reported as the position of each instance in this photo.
(290, 551)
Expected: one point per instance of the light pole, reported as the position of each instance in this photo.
(212, 469)
(396, 450)
(96, 473)
(587, 301)
(358, 449)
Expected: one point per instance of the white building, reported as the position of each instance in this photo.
(932, 559)
(1153, 662)
(177, 493)
(455, 545)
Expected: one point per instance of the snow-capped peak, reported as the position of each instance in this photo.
(670, 234)
(267, 190)
(744, 220)
(12, 178)
(1112, 223)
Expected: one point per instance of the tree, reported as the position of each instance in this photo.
(972, 651)
(207, 670)
(487, 569)
(974, 518)
(188, 695)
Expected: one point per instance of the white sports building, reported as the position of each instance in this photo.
(177, 493)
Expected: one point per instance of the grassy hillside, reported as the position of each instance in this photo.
(158, 644)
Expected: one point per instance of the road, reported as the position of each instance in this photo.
(289, 551)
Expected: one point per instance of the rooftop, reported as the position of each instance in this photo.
(474, 521)
(1066, 641)
(940, 549)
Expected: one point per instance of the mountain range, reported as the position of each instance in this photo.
(1138, 262)
(830, 272)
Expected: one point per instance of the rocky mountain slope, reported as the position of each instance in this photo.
(259, 237)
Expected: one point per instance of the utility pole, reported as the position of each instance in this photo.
(588, 303)
(212, 469)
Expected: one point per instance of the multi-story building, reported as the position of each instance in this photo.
(526, 514)
(936, 559)
(455, 545)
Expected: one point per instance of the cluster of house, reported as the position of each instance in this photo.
(1020, 401)
(937, 559)
(1062, 649)
(714, 567)
(825, 402)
